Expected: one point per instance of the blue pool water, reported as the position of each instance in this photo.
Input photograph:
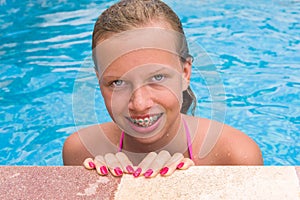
(46, 76)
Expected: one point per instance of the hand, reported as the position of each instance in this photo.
(152, 165)
(162, 163)
(117, 164)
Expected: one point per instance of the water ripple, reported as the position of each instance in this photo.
(254, 45)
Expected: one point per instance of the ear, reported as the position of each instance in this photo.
(186, 74)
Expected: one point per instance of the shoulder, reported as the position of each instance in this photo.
(74, 151)
(219, 144)
(76, 146)
(238, 148)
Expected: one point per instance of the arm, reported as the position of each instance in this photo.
(250, 155)
(74, 153)
(242, 150)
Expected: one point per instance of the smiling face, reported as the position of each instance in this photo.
(142, 77)
(142, 91)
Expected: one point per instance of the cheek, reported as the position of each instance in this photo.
(169, 99)
(107, 99)
(116, 102)
(172, 89)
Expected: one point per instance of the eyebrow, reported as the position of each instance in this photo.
(160, 70)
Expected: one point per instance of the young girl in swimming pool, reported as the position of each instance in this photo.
(143, 66)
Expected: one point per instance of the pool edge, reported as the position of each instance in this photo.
(75, 182)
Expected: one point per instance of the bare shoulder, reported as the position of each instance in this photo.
(75, 149)
(219, 144)
(239, 148)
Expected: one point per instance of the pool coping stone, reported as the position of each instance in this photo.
(66, 182)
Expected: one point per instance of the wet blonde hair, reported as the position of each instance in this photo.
(129, 14)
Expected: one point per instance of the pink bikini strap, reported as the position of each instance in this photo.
(188, 138)
(121, 141)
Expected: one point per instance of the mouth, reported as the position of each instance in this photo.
(145, 121)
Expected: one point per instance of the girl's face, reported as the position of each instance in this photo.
(142, 90)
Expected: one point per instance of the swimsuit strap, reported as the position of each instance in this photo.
(121, 141)
(188, 138)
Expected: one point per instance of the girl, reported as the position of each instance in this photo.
(143, 66)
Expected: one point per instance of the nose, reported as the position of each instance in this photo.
(141, 100)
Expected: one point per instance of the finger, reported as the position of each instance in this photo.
(142, 167)
(113, 164)
(89, 163)
(185, 163)
(172, 164)
(125, 163)
(100, 165)
(157, 164)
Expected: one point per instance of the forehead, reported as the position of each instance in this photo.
(124, 44)
(144, 57)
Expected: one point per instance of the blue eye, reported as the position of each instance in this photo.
(117, 83)
(158, 77)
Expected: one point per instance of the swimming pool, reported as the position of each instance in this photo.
(45, 60)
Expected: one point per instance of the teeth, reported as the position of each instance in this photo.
(146, 121)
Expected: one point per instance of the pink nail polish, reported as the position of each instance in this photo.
(148, 173)
(92, 165)
(164, 170)
(118, 171)
(137, 172)
(103, 170)
(180, 165)
(130, 169)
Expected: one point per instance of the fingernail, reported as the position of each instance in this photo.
(130, 169)
(164, 170)
(148, 173)
(92, 165)
(118, 171)
(137, 172)
(180, 165)
(103, 170)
